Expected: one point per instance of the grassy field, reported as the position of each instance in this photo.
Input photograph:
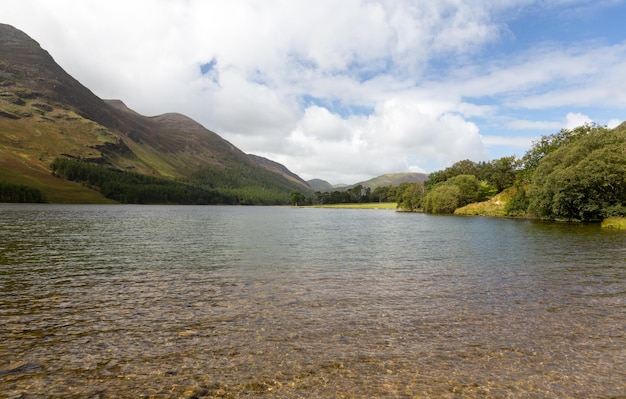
(614, 223)
(495, 206)
(369, 205)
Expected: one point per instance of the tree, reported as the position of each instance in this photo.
(455, 192)
(379, 194)
(410, 196)
(584, 179)
(548, 144)
(435, 178)
(499, 173)
(464, 167)
(442, 199)
(518, 204)
(469, 187)
(297, 198)
(19, 193)
(358, 194)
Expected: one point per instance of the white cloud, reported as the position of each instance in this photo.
(613, 123)
(573, 120)
(336, 90)
(401, 135)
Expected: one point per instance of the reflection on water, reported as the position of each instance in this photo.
(129, 301)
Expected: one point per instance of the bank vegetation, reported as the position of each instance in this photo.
(572, 175)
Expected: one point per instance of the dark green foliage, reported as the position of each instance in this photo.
(470, 189)
(383, 194)
(239, 185)
(434, 178)
(499, 174)
(518, 204)
(354, 195)
(249, 185)
(297, 198)
(135, 188)
(577, 174)
(583, 179)
(464, 167)
(19, 193)
(548, 144)
(333, 197)
(410, 195)
(454, 193)
(444, 198)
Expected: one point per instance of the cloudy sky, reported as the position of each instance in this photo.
(351, 89)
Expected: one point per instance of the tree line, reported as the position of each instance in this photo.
(246, 184)
(237, 185)
(464, 182)
(10, 192)
(571, 175)
(135, 188)
(355, 195)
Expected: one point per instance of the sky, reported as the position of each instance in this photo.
(348, 90)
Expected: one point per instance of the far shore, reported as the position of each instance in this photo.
(369, 205)
(479, 209)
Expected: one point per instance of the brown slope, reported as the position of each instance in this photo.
(46, 113)
(32, 74)
(175, 145)
(279, 169)
(35, 73)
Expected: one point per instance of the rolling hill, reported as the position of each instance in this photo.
(389, 179)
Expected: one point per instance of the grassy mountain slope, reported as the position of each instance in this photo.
(321, 185)
(46, 114)
(390, 179)
(394, 179)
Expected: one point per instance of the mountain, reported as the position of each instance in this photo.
(321, 185)
(390, 179)
(279, 169)
(394, 179)
(47, 114)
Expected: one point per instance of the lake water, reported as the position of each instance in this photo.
(278, 302)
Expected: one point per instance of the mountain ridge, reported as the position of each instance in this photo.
(45, 113)
(388, 179)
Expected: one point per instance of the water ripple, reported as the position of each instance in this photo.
(128, 301)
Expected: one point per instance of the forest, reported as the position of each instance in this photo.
(572, 175)
(245, 184)
(19, 193)
(134, 188)
(239, 185)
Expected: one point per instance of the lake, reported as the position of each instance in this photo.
(279, 302)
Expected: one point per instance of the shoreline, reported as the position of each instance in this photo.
(367, 205)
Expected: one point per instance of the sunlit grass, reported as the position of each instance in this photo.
(369, 205)
(614, 223)
(495, 206)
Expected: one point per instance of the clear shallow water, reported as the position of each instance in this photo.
(166, 301)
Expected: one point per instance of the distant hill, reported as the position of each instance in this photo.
(46, 114)
(320, 185)
(394, 179)
(390, 179)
